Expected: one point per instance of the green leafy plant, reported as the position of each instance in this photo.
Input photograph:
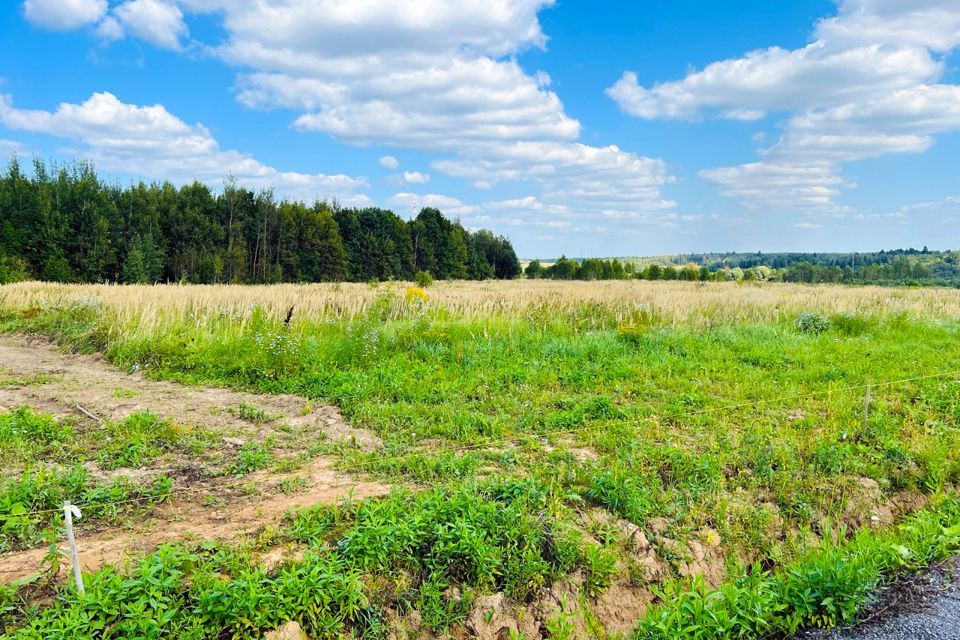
(250, 413)
(811, 323)
(138, 439)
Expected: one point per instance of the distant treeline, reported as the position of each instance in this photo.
(589, 269)
(900, 266)
(615, 269)
(62, 223)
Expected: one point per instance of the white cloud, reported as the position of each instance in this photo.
(433, 76)
(949, 203)
(158, 22)
(64, 14)
(920, 23)
(897, 122)
(528, 203)
(868, 85)
(593, 178)
(416, 73)
(150, 141)
(769, 185)
(466, 102)
(450, 205)
(8, 147)
(110, 29)
(778, 79)
(415, 177)
(389, 162)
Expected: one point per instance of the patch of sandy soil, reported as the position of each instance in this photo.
(90, 382)
(189, 517)
(202, 506)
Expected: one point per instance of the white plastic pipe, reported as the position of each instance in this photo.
(69, 513)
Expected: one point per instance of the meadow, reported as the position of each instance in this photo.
(567, 459)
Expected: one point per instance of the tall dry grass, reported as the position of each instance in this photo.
(677, 303)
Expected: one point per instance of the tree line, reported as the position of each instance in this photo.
(898, 267)
(65, 224)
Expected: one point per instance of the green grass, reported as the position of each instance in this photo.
(27, 436)
(821, 589)
(493, 535)
(251, 457)
(250, 413)
(363, 557)
(756, 431)
(44, 456)
(33, 502)
(137, 440)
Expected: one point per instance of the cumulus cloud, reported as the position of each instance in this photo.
(598, 178)
(110, 30)
(158, 22)
(63, 14)
(432, 75)
(869, 84)
(416, 177)
(778, 79)
(450, 205)
(429, 75)
(770, 185)
(934, 24)
(389, 162)
(151, 141)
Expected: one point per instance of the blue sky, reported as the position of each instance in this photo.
(594, 129)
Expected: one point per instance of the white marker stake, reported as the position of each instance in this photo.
(69, 513)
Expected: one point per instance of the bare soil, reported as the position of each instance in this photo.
(203, 505)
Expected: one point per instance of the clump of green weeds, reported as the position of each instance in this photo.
(250, 413)
(811, 323)
(29, 503)
(26, 436)
(251, 457)
(850, 324)
(138, 439)
(452, 543)
(824, 588)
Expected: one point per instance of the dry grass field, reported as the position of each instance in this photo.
(525, 459)
(675, 303)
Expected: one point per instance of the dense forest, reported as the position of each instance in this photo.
(63, 223)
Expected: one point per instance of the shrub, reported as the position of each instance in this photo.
(811, 323)
(849, 324)
(423, 279)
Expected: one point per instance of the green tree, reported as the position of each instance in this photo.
(144, 262)
(534, 270)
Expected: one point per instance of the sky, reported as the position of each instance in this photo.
(612, 128)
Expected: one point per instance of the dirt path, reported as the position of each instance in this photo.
(109, 393)
(204, 506)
